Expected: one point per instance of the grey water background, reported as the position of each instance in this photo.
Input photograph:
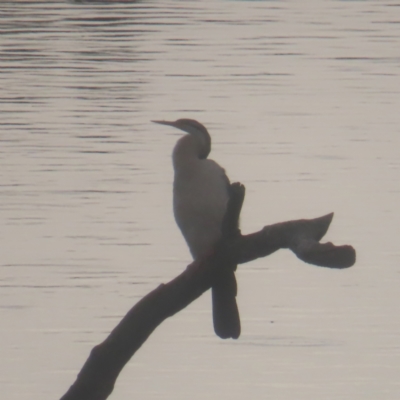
(302, 100)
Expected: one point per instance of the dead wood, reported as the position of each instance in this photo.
(97, 377)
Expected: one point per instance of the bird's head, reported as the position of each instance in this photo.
(196, 130)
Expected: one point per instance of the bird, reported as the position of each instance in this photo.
(200, 199)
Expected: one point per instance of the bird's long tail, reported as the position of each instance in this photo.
(225, 310)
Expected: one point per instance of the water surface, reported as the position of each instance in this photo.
(302, 102)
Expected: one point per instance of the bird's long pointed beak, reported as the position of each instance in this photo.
(170, 123)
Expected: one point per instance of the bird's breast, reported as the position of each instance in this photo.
(200, 199)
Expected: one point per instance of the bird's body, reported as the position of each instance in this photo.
(200, 198)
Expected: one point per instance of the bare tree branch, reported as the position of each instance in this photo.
(98, 375)
(301, 236)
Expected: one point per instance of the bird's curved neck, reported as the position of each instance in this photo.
(186, 154)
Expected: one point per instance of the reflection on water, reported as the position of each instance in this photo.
(302, 104)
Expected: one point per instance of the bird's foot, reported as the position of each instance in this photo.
(193, 266)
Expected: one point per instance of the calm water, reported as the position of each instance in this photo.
(302, 100)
